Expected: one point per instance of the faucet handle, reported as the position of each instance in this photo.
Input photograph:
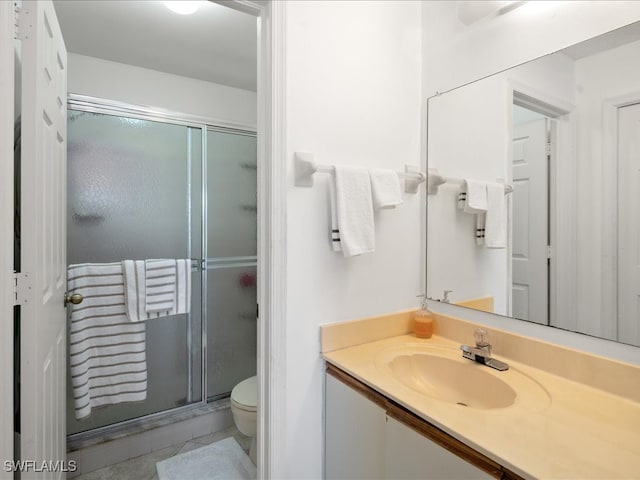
(482, 338)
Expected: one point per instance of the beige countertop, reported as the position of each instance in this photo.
(557, 428)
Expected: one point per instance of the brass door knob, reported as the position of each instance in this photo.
(76, 298)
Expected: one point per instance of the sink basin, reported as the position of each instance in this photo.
(442, 374)
(466, 384)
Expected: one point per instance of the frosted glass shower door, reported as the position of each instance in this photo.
(231, 260)
(130, 196)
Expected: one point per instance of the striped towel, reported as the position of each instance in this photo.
(160, 284)
(136, 292)
(106, 352)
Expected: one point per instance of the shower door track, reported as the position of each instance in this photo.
(77, 441)
(97, 105)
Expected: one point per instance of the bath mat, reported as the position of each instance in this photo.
(222, 460)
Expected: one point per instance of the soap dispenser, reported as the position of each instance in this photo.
(423, 320)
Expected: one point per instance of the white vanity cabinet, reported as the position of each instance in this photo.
(370, 437)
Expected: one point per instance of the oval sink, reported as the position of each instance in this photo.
(441, 373)
(450, 380)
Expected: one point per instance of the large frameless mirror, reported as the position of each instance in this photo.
(562, 133)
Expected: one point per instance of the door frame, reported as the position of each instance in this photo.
(7, 84)
(271, 233)
(272, 196)
(561, 194)
(609, 214)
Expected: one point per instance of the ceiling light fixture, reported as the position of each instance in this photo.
(183, 7)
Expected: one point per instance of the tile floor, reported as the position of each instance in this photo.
(144, 467)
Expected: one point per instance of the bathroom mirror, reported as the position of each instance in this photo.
(563, 133)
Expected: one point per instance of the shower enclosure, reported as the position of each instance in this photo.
(144, 184)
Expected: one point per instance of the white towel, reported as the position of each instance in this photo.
(335, 231)
(480, 228)
(136, 290)
(354, 210)
(106, 352)
(385, 188)
(496, 221)
(160, 285)
(182, 302)
(473, 195)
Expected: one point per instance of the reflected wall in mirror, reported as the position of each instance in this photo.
(564, 132)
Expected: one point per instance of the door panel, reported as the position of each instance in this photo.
(529, 257)
(629, 224)
(131, 180)
(43, 213)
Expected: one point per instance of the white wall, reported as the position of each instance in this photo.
(141, 86)
(352, 97)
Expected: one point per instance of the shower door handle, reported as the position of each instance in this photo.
(75, 298)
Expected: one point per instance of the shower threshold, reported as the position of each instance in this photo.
(80, 440)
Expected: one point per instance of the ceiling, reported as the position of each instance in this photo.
(216, 44)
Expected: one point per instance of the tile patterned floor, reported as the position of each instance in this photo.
(144, 467)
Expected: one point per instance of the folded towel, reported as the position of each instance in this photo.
(136, 293)
(182, 301)
(385, 188)
(135, 290)
(496, 221)
(160, 285)
(480, 228)
(354, 207)
(475, 200)
(335, 231)
(106, 352)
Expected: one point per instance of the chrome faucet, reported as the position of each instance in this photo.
(481, 353)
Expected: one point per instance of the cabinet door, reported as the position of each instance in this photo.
(411, 455)
(354, 434)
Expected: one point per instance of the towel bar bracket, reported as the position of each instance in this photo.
(412, 183)
(305, 167)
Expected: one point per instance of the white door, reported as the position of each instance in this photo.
(43, 233)
(530, 226)
(629, 224)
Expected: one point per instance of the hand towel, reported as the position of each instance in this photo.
(475, 200)
(354, 209)
(480, 228)
(136, 289)
(496, 221)
(160, 285)
(335, 230)
(182, 301)
(107, 355)
(385, 188)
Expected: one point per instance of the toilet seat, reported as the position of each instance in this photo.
(244, 395)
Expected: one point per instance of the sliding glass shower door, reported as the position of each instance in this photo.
(231, 234)
(131, 196)
(142, 186)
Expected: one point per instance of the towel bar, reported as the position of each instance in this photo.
(434, 180)
(305, 167)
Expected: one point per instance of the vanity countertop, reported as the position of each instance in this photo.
(575, 432)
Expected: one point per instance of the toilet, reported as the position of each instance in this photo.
(244, 401)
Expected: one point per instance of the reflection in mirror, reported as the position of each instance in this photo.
(563, 132)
